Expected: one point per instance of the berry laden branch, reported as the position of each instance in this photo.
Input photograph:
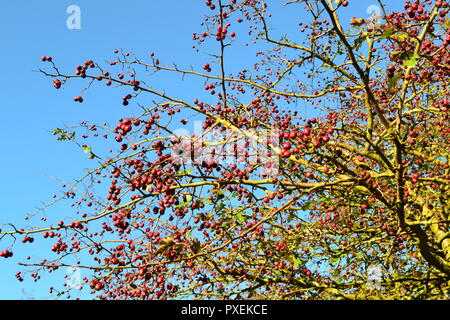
(317, 170)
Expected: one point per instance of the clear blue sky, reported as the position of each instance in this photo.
(30, 107)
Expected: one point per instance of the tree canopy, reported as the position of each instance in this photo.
(237, 194)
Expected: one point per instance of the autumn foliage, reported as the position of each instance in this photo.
(260, 201)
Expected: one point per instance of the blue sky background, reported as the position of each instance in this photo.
(30, 108)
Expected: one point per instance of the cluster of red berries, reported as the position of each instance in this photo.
(119, 221)
(211, 87)
(414, 9)
(114, 190)
(286, 150)
(428, 47)
(444, 105)
(441, 4)
(27, 239)
(126, 98)
(19, 276)
(77, 225)
(207, 67)
(447, 40)
(59, 246)
(50, 234)
(124, 127)
(44, 58)
(415, 178)
(221, 33)
(78, 99)
(6, 254)
(81, 69)
(210, 4)
(135, 83)
(390, 71)
(56, 83)
(96, 285)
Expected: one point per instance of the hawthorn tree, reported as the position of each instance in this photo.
(260, 201)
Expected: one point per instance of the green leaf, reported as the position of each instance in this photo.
(396, 53)
(387, 34)
(63, 135)
(359, 255)
(277, 273)
(86, 149)
(400, 37)
(184, 172)
(390, 34)
(57, 131)
(196, 245)
(358, 42)
(240, 217)
(393, 81)
(412, 61)
(220, 206)
(446, 25)
(297, 262)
